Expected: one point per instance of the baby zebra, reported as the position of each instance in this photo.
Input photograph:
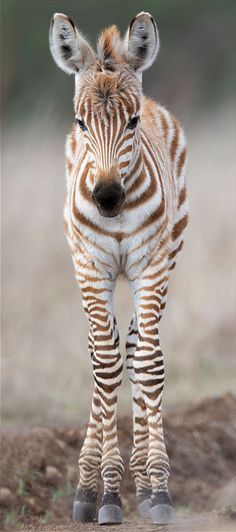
(125, 212)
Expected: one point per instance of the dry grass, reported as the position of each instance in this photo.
(47, 373)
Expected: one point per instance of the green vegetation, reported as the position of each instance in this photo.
(64, 491)
(11, 518)
(21, 491)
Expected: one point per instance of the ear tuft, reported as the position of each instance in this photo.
(142, 41)
(69, 49)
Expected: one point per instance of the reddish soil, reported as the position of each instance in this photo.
(39, 469)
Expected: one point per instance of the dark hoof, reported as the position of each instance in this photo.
(162, 514)
(144, 508)
(110, 514)
(84, 512)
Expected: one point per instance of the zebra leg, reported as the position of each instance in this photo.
(85, 503)
(140, 429)
(163, 300)
(149, 370)
(107, 372)
(112, 467)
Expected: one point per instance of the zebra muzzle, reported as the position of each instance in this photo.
(108, 198)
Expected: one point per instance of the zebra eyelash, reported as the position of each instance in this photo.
(133, 122)
(81, 124)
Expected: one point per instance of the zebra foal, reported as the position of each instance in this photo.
(125, 211)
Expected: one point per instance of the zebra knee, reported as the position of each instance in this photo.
(107, 374)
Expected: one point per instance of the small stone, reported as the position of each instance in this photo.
(6, 496)
(34, 505)
(30, 501)
(53, 475)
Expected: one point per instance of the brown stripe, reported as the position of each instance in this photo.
(148, 193)
(129, 136)
(181, 161)
(179, 227)
(68, 165)
(164, 124)
(175, 140)
(182, 196)
(172, 255)
(125, 151)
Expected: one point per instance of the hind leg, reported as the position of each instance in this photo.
(139, 455)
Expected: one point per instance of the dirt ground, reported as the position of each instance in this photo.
(39, 472)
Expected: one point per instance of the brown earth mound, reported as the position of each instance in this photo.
(39, 467)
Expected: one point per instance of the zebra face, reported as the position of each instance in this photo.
(108, 98)
(107, 114)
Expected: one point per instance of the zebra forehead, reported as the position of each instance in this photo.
(106, 86)
(106, 91)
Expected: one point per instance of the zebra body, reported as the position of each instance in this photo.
(125, 213)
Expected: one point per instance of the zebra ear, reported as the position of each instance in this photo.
(69, 49)
(142, 41)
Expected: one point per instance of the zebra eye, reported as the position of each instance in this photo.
(133, 122)
(81, 124)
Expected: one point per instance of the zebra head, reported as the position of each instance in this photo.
(108, 99)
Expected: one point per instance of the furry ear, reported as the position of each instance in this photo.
(141, 41)
(69, 49)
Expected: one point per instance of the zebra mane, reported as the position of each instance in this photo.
(110, 48)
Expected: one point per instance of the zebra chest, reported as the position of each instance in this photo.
(112, 246)
(112, 256)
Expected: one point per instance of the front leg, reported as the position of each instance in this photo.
(85, 503)
(148, 366)
(140, 428)
(107, 372)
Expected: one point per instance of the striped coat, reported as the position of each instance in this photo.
(125, 213)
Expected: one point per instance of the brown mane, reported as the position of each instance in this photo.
(109, 48)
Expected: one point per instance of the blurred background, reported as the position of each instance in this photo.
(47, 374)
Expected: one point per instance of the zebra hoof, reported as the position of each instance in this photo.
(162, 514)
(84, 512)
(144, 508)
(110, 514)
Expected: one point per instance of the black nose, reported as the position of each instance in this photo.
(109, 197)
